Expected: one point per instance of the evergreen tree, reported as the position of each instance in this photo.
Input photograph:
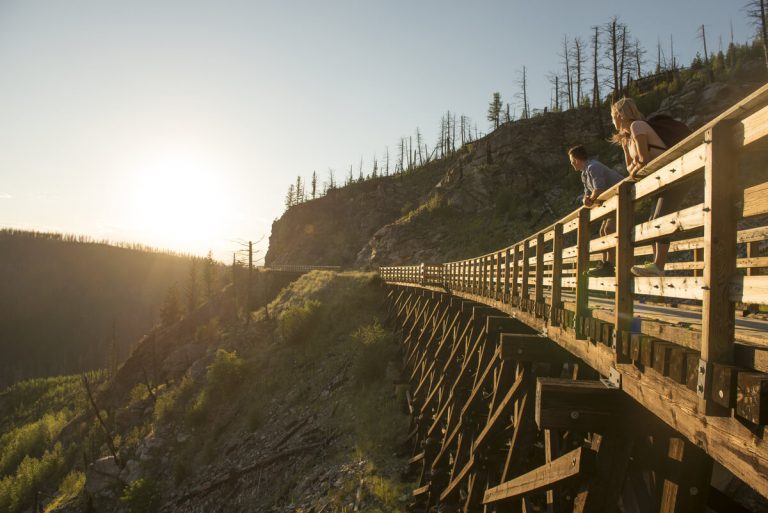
(193, 298)
(171, 309)
(494, 110)
(290, 198)
(314, 184)
(209, 275)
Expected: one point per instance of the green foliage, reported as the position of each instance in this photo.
(141, 496)
(17, 490)
(297, 323)
(171, 404)
(171, 309)
(30, 439)
(222, 380)
(375, 347)
(69, 488)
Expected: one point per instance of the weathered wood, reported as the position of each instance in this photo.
(533, 348)
(752, 397)
(683, 166)
(724, 385)
(526, 271)
(718, 320)
(600, 492)
(662, 356)
(686, 477)
(557, 268)
(563, 468)
(582, 266)
(751, 129)
(539, 276)
(624, 301)
(755, 200)
(577, 405)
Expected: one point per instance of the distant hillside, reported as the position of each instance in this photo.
(61, 298)
(298, 411)
(496, 189)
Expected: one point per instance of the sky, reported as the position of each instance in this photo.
(181, 123)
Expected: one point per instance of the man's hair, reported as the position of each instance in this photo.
(578, 152)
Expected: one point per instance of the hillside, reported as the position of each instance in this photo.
(62, 301)
(288, 413)
(490, 191)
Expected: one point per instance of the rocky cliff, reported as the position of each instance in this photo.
(485, 195)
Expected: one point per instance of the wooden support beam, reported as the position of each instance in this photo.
(533, 348)
(578, 405)
(600, 492)
(515, 274)
(752, 397)
(724, 385)
(563, 468)
(718, 320)
(686, 475)
(662, 356)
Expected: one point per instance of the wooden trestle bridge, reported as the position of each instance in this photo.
(535, 388)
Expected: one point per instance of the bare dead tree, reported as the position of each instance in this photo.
(554, 80)
(639, 54)
(596, 67)
(418, 146)
(567, 68)
(102, 422)
(703, 36)
(523, 95)
(386, 161)
(672, 61)
(623, 59)
(579, 59)
(612, 32)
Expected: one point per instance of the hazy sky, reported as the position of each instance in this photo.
(180, 124)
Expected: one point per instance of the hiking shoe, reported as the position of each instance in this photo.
(601, 270)
(647, 270)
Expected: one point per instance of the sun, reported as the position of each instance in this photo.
(180, 202)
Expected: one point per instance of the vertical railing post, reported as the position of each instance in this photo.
(507, 267)
(582, 266)
(718, 311)
(422, 274)
(483, 275)
(515, 300)
(557, 275)
(498, 291)
(625, 257)
(526, 273)
(539, 276)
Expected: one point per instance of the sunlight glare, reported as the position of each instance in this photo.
(181, 202)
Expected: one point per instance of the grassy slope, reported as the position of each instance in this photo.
(306, 370)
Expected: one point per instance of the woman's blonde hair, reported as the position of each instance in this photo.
(627, 109)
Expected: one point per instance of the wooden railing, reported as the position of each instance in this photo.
(714, 263)
(301, 268)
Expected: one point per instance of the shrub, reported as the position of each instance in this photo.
(171, 403)
(375, 349)
(141, 496)
(30, 440)
(224, 375)
(297, 322)
(69, 488)
(16, 491)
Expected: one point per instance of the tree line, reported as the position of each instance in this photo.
(610, 62)
(411, 153)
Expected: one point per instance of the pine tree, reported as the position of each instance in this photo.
(193, 297)
(209, 275)
(290, 198)
(171, 309)
(494, 110)
(314, 184)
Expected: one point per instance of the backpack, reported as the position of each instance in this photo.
(670, 130)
